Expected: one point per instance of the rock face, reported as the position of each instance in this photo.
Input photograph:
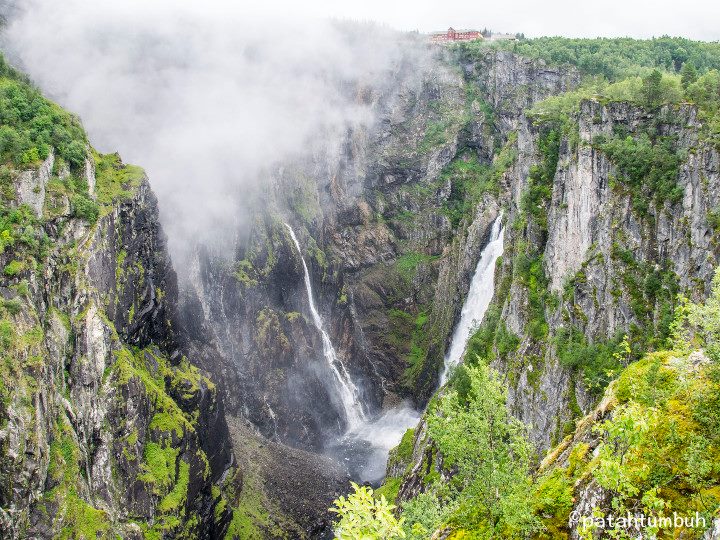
(392, 228)
(336, 200)
(601, 256)
(106, 427)
(614, 270)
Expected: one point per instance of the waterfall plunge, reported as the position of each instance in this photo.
(479, 297)
(365, 445)
(347, 391)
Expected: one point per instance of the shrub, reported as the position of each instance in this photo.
(487, 450)
(364, 517)
(13, 268)
(85, 208)
(705, 319)
(648, 168)
(31, 125)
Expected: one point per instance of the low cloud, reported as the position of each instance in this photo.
(204, 98)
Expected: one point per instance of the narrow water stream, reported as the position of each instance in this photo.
(364, 447)
(347, 391)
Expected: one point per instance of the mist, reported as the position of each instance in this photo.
(207, 100)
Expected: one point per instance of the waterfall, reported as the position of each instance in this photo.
(365, 445)
(481, 292)
(347, 391)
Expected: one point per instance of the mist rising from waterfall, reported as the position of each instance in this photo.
(365, 445)
(208, 99)
(482, 288)
(212, 104)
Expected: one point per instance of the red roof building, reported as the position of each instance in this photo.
(455, 35)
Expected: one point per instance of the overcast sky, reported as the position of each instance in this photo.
(699, 19)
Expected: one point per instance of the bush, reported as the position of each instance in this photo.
(598, 363)
(31, 125)
(84, 208)
(487, 450)
(12, 306)
(13, 268)
(75, 153)
(362, 517)
(705, 319)
(648, 168)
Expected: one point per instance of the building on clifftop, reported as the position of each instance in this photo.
(455, 35)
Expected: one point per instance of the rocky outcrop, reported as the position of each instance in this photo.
(613, 271)
(30, 185)
(105, 422)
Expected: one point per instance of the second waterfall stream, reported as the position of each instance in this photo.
(482, 288)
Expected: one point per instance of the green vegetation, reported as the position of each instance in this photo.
(399, 460)
(470, 180)
(652, 291)
(616, 58)
(699, 324)
(244, 273)
(648, 73)
(159, 462)
(492, 339)
(13, 268)
(20, 231)
(251, 511)
(442, 120)
(598, 363)
(648, 167)
(408, 335)
(653, 447)
(173, 501)
(30, 125)
(487, 456)
(75, 517)
(85, 208)
(115, 181)
(435, 135)
(658, 449)
(154, 371)
(408, 263)
(165, 467)
(486, 446)
(541, 177)
(363, 516)
(304, 199)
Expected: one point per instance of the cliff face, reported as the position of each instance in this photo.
(106, 427)
(353, 206)
(593, 251)
(616, 270)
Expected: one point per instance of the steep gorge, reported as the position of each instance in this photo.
(110, 423)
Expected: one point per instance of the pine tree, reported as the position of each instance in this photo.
(688, 74)
(652, 89)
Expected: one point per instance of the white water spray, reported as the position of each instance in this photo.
(347, 391)
(479, 297)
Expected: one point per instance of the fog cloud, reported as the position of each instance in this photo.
(203, 97)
